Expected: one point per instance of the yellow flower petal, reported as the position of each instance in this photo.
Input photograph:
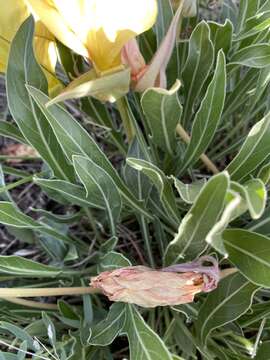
(113, 24)
(46, 54)
(97, 28)
(48, 13)
(12, 14)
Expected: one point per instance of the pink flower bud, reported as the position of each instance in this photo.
(150, 288)
(132, 57)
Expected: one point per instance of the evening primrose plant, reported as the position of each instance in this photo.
(151, 129)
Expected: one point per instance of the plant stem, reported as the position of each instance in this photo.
(26, 292)
(125, 116)
(207, 162)
(30, 303)
(92, 223)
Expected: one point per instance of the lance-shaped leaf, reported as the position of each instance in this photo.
(144, 343)
(19, 266)
(74, 140)
(250, 253)
(105, 332)
(97, 180)
(21, 334)
(136, 180)
(161, 182)
(255, 25)
(208, 116)
(254, 196)
(221, 35)
(214, 237)
(205, 212)
(163, 111)
(228, 302)
(198, 65)
(66, 192)
(106, 88)
(165, 17)
(264, 173)
(254, 151)
(255, 56)
(12, 216)
(113, 260)
(23, 69)
(247, 9)
(11, 131)
(189, 192)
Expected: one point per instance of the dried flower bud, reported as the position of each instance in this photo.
(150, 288)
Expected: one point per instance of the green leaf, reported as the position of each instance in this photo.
(113, 260)
(64, 191)
(19, 266)
(228, 302)
(221, 35)
(137, 182)
(256, 197)
(163, 110)
(189, 192)
(198, 222)
(208, 116)
(23, 69)
(144, 343)
(253, 197)
(12, 216)
(107, 330)
(161, 182)
(255, 25)
(261, 226)
(198, 66)
(99, 114)
(253, 152)
(241, 93)
(76, 141)
(20, 334)
(51, 332)
(264, 173)
(11, 131)
(164, 19)
(255, 56)
(214, 237)
(247, 9)
(263, 351)
(250, 253)
(97, 180)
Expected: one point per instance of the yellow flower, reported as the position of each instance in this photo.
(13, 14)
(97, 29)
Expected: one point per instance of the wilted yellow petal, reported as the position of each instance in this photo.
(48, 13)
(12, 14)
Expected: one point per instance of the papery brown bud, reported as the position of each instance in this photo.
(150, 288)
